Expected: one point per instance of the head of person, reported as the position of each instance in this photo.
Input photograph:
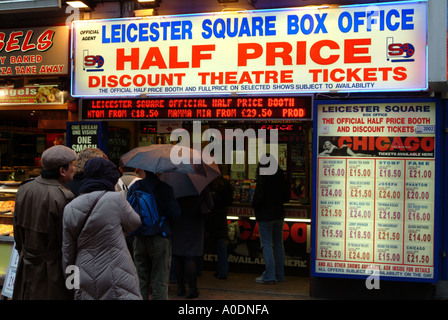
(267, 166)
(86, 154)
(58, 163)
(99, 174)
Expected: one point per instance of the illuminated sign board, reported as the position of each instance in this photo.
(379, 47)
(201, 108)
(376, 182)
(41, 51)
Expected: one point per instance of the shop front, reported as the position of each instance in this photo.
(230, 138)
(339, 94)
(364, 171)
(34, 109)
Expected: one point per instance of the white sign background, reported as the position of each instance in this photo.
(380, 47)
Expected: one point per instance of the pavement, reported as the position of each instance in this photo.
(242, 286)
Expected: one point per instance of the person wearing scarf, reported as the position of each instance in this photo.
(95, 243)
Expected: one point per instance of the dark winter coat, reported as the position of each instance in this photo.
(38, 236)
(271, 192)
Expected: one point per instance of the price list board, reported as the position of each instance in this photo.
(375, 190)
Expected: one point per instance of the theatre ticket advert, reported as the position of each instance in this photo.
(375, 189)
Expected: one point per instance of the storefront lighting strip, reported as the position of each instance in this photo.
(286, 219)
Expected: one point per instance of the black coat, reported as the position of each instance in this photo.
(271, 192)
(188, 230)
(216, 221)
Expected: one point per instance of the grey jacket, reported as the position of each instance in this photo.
(107, 271)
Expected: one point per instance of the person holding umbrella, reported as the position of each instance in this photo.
(183, 181)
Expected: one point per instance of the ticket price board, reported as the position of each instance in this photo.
(376, 188)
(202, 108)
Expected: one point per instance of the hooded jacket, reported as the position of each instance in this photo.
(99, 250)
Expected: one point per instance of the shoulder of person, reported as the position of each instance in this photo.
(68, 194)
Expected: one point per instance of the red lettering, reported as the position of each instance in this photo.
(427, 144)
(316, 55)
(13, 42)
(174, 62)
(45, 40)
(382, 143)
(352, 51)
(197, 54)
(285, 231)
(245, 229)
(133, 58)
(397, 143)
(154, 58)
(244, 55)
(299, 232)
(26, 46)
(2, 40)
(284, 54)
(412, 143)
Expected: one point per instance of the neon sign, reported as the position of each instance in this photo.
(209, 108)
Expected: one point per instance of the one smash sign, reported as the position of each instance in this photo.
(379, 47)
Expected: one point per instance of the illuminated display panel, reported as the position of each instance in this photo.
(208, 108)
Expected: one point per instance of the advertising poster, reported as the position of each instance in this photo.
(375, 189)
(82, 135)
(31, 95)
(245, 253)
(379, 47)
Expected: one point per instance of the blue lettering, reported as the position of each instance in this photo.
(270, 25)
(257, 25)
(115, 33)
(207, 34)
(321, 23)
(175, 30)
(293, 24)
(155, 34)
(165, 26)
(244, 29)
(143, 32)
(407, 19)
(187, 30)
(345, 15)
(359, 20)
(303, 24)
(390, 20)
(221, 31)
(104, 38)
(392, 26)
(131, 38)
(234, 32)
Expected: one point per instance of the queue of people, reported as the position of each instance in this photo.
(88, 226)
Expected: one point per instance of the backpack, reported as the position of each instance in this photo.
(144, 204)
(123, 188)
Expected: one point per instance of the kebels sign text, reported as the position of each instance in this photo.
(278, 107)
(353, 48)
(34, 51)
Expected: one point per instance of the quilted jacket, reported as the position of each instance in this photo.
(107, 271)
